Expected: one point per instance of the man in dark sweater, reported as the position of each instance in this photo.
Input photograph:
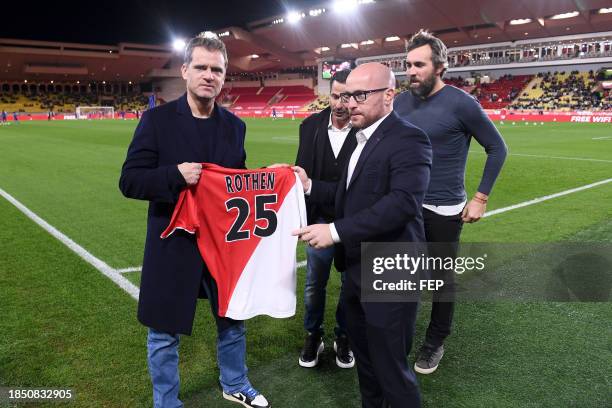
(327, 141)
(450, 117)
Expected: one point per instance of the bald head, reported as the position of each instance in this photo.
(375, 74)
(375, 77)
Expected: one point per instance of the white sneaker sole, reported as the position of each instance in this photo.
(424, 370)
(340, 363)
(313, 363)
(231, 398)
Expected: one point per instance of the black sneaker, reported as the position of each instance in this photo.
(313, 346)
(344, 355)
(248, 398)
(428, 359)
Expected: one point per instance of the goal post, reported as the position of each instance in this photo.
(95, 112)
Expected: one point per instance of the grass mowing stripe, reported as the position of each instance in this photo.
(547, 197)
(100, 265)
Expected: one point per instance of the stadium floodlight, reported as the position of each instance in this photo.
(520, 21)
(392, 38)
(605, 10)
(316, 12)
(178, 44)
(254, 56)
(294, 16)
(349, 45)
(366, 42)
(565, 15)
(344, 6)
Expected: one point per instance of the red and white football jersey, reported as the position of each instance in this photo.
(243, 220)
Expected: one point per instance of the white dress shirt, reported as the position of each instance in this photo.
(337, 136)
(446, 210)
(362, 137)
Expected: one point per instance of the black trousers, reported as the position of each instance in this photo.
(445, 231)
(380, 335)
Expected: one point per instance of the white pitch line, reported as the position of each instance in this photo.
(601, 138)
(545, 198)
(130, 269)
(301, 264)
(101, 266)
(552, 157)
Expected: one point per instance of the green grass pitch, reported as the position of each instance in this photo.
(64, 325)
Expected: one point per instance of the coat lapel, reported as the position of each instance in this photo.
(188, 129)
(370, 145)
(223, 136)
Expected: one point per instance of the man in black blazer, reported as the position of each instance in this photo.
(378, 199)
(327, 140)
(164, 157)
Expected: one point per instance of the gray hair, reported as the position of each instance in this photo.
(208, 40)
(439, 53)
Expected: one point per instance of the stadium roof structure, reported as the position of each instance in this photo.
(365, 28)
(44, 60)
(359, 28)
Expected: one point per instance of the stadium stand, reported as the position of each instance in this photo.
(67, 102)
(500, 93)
(295, 97)
(563, 91)
(260, 98)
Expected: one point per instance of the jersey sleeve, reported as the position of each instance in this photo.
(185, 215)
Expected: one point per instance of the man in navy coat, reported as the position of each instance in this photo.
(379, 199)
(164, 157)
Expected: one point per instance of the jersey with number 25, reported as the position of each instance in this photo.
(243, 220)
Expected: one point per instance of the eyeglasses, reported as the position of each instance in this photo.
(359, 96)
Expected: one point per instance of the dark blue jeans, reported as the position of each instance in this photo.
(163, 356)
(319, 262)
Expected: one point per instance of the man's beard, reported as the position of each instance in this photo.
(424, 88)
(342, 114)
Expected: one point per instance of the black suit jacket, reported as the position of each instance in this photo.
(311, 150)
(384, 200)
(172, 268)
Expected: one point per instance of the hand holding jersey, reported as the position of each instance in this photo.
(243, 221)
(190, 172)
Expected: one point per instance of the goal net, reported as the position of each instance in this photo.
(95, 112)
